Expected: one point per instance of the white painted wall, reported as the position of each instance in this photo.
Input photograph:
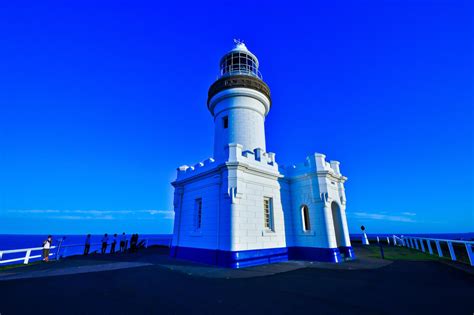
(246, 110)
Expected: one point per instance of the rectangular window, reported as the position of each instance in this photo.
(198, 213)
(225, 122)
(268, 213)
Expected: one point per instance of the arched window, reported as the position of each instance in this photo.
(305, 218)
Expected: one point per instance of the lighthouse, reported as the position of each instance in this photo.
(239, 101)
(239, 208)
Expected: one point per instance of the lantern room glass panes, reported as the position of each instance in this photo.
(239, 63)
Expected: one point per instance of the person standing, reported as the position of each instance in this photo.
(87, 245)
(133, 243)
(47, 247)
(123, 241)
(112, 246)
(105, 240)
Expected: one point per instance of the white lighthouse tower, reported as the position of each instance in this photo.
(239, 102)
(239, 208)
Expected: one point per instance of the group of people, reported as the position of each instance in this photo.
(47, 244)
(113, 244)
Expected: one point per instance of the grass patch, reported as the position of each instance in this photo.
(7, 267)
(399, 253)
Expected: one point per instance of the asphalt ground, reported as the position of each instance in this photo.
(399, 287)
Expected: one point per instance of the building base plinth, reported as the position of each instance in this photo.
(347, 252)
(315, 253)
(229, 259)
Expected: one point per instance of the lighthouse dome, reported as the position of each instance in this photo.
(239, 61)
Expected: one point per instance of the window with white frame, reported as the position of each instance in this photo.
(305, 218)
(268, 213)
(198, 213)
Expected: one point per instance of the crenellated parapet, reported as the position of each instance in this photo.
(186, 171)
(313, 164)
(257, 158)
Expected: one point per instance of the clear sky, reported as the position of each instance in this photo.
(99, 103)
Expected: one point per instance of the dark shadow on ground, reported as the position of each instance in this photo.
(402, 287)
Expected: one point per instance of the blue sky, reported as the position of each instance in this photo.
(100, 102)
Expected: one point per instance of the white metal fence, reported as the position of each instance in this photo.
(433, 245)
(28, 254)
(59, 251)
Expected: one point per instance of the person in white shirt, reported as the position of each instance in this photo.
(46, 248)
(105, 240)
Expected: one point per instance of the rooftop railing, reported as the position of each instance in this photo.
(240, 70)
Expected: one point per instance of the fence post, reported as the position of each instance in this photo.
(451, 251)
(27, 257)
(422, 245)
(378, 240)
(416, 244)
(1, 254)
(59, 248)
(440, 253)
(388, 240)
(429, 247)
(146, 243)
(468, 249)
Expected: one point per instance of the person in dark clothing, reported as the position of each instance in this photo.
(105, 240)
(123, 244)
(87, 245)
(132, 243)
(112, 246)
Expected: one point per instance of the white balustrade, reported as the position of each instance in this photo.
(412, 242)
(438, 248)
(451, 251)
(470, 253)
(429, 247)
(422, 246)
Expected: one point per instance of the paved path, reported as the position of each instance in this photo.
(401, 287)
(160, 257)
(61, 271)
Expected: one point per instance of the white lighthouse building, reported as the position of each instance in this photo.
(240, 208)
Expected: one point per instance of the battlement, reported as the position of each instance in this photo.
(313, 164)
(186, 171)
(256, 158)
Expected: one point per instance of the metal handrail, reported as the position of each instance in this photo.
(229, 71)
